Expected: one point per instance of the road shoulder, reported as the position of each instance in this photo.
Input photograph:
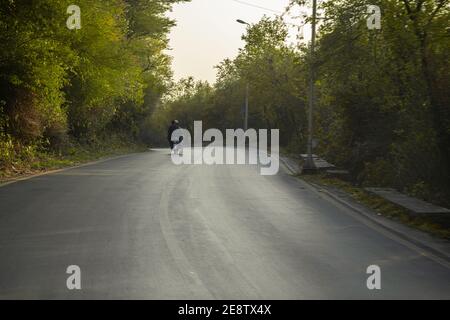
(24, 177)
(424, 241)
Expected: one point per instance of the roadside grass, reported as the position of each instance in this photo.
(435, 224)
(41, 162)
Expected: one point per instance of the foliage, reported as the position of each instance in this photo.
(383, 94)
(60, 87)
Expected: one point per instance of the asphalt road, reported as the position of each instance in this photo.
(140, 227)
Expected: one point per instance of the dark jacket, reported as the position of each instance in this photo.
(172, 128)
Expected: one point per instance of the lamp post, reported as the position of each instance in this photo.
(309, 166)
(246, 90)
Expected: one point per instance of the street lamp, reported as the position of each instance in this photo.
(242, 22)
(310, 166)
(246, 89)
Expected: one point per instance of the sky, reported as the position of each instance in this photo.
(207, 33)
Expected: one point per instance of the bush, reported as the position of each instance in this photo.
(378, 173)
(7, 151)
(13, 153)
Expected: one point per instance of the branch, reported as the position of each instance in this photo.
(407, 6)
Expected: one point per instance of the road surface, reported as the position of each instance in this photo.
(140, 227)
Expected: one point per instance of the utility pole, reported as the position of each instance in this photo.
(246, 108)
(309, 166)
(246, 89)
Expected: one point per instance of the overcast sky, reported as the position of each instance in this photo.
(207, 32)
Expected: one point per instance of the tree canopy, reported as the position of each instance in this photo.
(57, 83)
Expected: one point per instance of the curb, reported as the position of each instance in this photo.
(439, 256)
